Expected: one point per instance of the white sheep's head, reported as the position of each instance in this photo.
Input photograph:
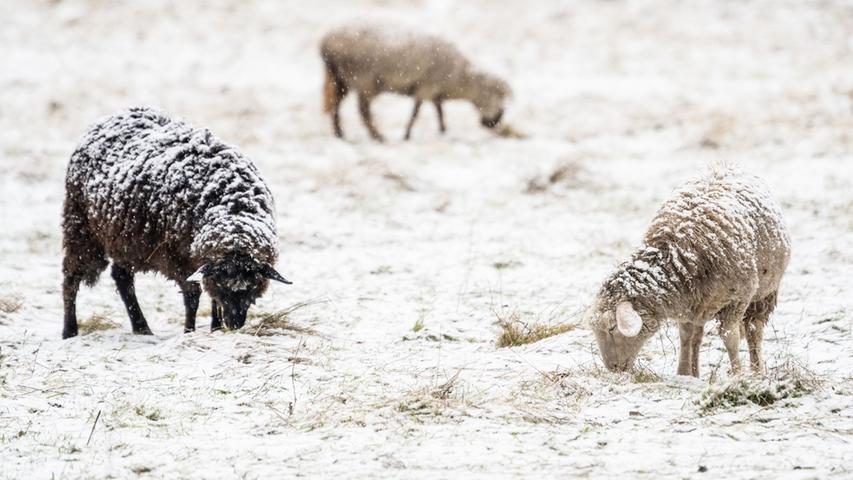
(620, 334)
(235, 281)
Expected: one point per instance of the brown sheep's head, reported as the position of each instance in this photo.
(620, 333)
(492, 94)
(235, 282)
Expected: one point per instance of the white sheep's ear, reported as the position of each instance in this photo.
(199, 274)
(628, 320)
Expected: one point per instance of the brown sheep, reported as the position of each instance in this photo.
(373, 59)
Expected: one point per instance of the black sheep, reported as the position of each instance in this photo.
(152, 193)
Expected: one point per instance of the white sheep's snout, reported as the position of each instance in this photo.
(628, 320)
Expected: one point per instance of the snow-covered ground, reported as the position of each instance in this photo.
(630, 98)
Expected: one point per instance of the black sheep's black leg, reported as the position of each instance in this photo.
(192, 292)
(215, 316)
(412, 120)
(70, 286)
(124, 282)
(440, 112)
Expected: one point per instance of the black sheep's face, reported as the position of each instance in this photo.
(235, 282)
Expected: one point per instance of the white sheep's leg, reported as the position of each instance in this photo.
(754, 321)
(367, 118)
(685, 356)
(412, 120)
(755, 339)
(696, 345)
(730, 322)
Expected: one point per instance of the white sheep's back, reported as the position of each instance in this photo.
(726, 221)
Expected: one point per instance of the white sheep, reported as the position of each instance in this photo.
(717, 249)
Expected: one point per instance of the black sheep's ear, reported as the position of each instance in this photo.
(199, 274)
(270, 273)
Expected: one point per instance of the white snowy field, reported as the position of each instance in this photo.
(407, 254)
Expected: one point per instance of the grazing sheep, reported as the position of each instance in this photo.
(717, 249)
(156, 194)
(373, 59)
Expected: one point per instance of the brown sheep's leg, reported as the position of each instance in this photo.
(440, 112)
(731, 318)
(334, 92)
(340, 94)
(685, 355)
(336, 120)
(215, 316)
(412, 120)
(698, 333)
(124, 282)
(367, 118)
(191, 292)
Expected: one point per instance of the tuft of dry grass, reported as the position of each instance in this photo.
(11, 304)
(570, 173)
(515, 332)
(97, 322)
(276, 323)
(506, 130)
(719, 132)
(790, 379)
(434, 399)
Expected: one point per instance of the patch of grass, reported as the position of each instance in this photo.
(276, 323)
(515, 332)
(11, 304)
(381, 270)
(443, 337)
(97, 322)
(503, 265)
(644, 375)
(786, 381)
(418, 326)
(152, 414)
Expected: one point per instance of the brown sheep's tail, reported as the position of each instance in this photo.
(329, 92)
(334, 89)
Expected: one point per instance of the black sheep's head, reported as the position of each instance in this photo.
(235, 282)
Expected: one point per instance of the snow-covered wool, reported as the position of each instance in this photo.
(153, 193)
(372, 58)
(717, 249)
